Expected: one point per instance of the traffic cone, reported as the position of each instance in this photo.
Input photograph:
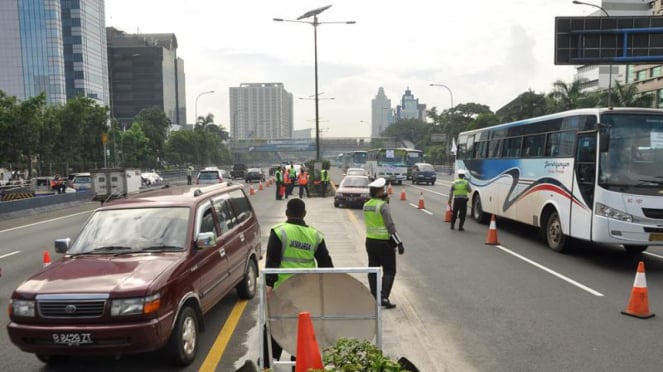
(389, 191)
(403, 194)
(308, 353)
(447, 214)
(47, 259)
(252, 191)
(260, 186)
(492, 232)
(638, 304)
(421, 201)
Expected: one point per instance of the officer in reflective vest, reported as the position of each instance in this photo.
(382, 240)
(460, 190)
(324, 181)
(291, 245)
(302, 181)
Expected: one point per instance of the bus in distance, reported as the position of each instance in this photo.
(354, 159)
(389, 163)
(587, 174)
(414, 156)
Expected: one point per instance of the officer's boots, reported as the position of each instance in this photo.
(387, 283)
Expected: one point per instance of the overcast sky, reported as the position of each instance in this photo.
(485, 51)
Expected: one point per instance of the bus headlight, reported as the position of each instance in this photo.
(615, 214)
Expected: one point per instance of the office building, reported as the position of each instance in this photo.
(260, 111)
(144, 72)
(410, 108)
(381, 113)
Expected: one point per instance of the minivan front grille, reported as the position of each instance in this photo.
(74, 306)
(653, 213)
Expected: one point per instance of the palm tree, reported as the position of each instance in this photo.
(570, 96)
(627, 95)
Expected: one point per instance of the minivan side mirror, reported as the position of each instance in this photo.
(205, 240)
(62, 245)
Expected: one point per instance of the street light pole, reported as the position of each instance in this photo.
(577, 2)
(314, 13)
(203, 93)
(451, 95)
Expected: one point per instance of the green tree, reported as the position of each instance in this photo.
(136, 151)
(28, 122)
(527, 105)
(181, 148)
(82, 123)
(154, 124)
(627, 95)
(569, 96)
(411, 130)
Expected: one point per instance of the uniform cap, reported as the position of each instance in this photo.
(378, 183)
(461, 172)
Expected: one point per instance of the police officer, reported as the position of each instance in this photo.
(324, 181)
(292, 245)
(381, 241)
(278, 178)
(460, 190)
(189, 173)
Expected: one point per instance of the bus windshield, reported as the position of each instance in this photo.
(359, 157)
(394, 157)
(632, 163)
(414, 157)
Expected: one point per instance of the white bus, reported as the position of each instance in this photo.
(354, 159)
(389, 163)
(589, 174)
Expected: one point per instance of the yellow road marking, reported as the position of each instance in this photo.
(223, 338)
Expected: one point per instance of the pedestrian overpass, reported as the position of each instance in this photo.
(329, 147)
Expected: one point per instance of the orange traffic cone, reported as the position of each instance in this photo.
(252, 191)
(47, 259)
(308, 353)
(403, 194)
(447, 214)
(260, 186)
(389, 191)
(421, 201)
(638, 304)
(492, 232)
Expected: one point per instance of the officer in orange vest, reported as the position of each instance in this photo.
(302, 181)
(287, 182)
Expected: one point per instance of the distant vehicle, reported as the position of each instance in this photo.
(140, 276)
(354, 159)
(209, 175)
(81, 181)
(151, 178)
(254, 174)
(111, 183)
(423, 173)
(238, 171)
(356, 172)
(389, 163)
(352, 191)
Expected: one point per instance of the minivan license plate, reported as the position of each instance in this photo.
(655, 237)
(72, 339)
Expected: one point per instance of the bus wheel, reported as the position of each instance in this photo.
(634, 249)
(553, 234)
(477, 211)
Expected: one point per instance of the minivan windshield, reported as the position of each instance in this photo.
(134, 230)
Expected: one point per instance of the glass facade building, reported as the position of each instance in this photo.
(31, 50)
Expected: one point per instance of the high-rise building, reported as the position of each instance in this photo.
(144, 72)
(381, 113)
(410, 108)
(31, 49)
(84, 40)
(261, 111)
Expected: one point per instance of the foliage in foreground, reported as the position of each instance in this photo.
(352, 355)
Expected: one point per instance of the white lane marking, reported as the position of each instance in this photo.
(429, 190)
(416, 206)
(46, 221)
(550, 271)
(653, 254)
(9, 254)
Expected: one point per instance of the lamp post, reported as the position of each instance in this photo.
(314, 13)
(451, 95)
(577, 2)
(203, 93)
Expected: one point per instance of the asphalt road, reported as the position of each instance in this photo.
(462, 305)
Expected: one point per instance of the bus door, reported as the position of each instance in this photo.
(585, 177)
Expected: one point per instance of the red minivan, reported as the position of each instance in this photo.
(140, 276)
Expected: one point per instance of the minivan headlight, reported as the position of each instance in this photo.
(25, 308)
(615, 214)
(136, 306)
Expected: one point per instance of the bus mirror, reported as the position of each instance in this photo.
(604, 142)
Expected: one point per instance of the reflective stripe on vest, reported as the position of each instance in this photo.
(460, 188)
(375, 227)
(299, 246)
(324, 175)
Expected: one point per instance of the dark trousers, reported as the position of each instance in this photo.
(277, 350)
(301, 190)
(288, 189)
(381, 253)
(278, 191)
(459, 211)
(324, 188)
(188, 180)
